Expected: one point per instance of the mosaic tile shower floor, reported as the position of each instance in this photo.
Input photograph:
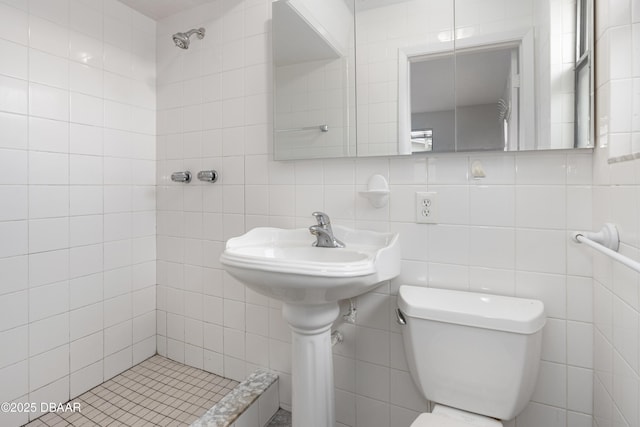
(156, 392)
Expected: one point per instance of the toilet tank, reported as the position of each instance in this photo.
(475, 352)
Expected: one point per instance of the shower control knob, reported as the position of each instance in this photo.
(208, 176)
(181, 177)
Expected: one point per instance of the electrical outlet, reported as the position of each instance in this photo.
(426, 207)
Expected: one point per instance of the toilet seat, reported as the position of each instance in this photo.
(435, 420)
(445, 416)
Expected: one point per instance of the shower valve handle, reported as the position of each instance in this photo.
(208, 176)
(181, 177)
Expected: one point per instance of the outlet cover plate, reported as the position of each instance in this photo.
(427, 207)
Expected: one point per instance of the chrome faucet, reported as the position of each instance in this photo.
(324, 233)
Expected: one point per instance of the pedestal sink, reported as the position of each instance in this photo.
(283, 264)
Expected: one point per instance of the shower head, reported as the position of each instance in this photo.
(182, 39)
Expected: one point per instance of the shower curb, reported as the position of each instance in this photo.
(249, 396)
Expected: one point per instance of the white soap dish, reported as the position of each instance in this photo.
(377, 191)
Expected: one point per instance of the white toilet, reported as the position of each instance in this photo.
(475, 356)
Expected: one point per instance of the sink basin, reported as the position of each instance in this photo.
(283, 264)
(309, 280)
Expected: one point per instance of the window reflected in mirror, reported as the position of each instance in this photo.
(490, 101)
(479, 98)
(433, 100)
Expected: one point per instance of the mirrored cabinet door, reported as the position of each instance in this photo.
(314, 79)
(404, 70)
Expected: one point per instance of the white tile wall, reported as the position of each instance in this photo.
(618, 40)
(65, 192)
(616, 328)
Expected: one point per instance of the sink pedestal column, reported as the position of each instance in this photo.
(312, 394)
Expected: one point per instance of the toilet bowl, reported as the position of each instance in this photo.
(476, 356)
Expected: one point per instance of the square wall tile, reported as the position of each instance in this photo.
(48, 168)
(14, 381)
(13, 203)
(48, 102)
(48, 367)
(14, 61)
(15, 274)
(14, 95)
(13, 238)
(14, 24)
(13, 131)
(14, 310)
(13, 166)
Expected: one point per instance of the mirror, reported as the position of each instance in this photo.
(458, 75)
(313, 56)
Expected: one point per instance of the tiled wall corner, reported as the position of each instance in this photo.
(616, 199)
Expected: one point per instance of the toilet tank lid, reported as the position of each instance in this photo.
(502, 313)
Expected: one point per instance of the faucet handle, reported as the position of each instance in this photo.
(322, 218)
(181, 177)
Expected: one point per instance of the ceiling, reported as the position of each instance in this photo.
(295, 40)
(160, 9)
(374, 4)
